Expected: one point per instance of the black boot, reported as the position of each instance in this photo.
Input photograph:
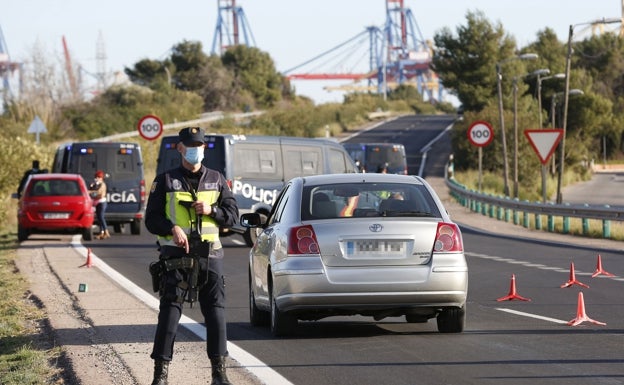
(161, 371)
(218, 372)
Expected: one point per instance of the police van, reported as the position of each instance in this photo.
(123, 164)
(257, 167)
(379, 157)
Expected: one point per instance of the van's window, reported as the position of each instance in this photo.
(302, 161)
(338, 162)
(121, 162)
(376, 156)
(214, 154)
(258, 161)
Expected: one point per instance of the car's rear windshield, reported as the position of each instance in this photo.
(55, 187)
(367, 200)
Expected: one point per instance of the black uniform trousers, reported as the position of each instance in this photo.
(211, 298)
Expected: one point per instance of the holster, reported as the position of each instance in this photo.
(156, 270)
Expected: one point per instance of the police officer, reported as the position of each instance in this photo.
(178, 198)
(34, 170)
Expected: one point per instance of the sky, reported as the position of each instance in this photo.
(290, 31)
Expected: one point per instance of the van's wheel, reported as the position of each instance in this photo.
(22, 234)
(87, 234)
(251, 235)
(135, 227)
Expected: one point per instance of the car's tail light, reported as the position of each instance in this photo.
(302, 240)
(448, 238)
(229, 183)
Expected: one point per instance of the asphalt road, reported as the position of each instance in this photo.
(511, 342)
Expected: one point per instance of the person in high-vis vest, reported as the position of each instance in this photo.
(178, 199)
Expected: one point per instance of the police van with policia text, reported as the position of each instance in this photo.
(257, 167)
(125, 183)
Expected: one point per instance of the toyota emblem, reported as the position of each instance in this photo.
(375, 227)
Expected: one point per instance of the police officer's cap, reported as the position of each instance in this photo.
(191, 136)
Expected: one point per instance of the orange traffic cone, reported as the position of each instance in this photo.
(581, 316)
(512, 292)
(89, 262)
(600, 270)
(572, 280)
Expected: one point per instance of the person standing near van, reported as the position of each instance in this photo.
(97, 191)
(184, 203)
(34, 170)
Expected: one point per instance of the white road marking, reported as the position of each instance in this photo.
(521, 313)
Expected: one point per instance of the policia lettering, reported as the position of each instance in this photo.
(185, 209)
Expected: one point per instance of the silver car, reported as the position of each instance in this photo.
(377, 245)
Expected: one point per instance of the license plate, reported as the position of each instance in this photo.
(55, 215)
(375, 247)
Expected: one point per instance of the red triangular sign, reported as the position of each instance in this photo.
(544, 142)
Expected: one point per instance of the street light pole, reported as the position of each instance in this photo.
(539, 104)
(544, 71)
(499, 86)
(566, 97)
(553, 110)
(515, 116)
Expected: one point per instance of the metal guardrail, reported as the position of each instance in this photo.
(506, 208)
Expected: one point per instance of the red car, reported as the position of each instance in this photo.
(55, 203)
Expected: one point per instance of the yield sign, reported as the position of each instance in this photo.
(37, 126)
(544, 142)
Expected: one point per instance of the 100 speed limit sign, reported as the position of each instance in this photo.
(480, 134)
(150, 127)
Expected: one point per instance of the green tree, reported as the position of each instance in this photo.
(603, 57)
(149, 73)
(466, 63)
(255, 72)
(188, 60)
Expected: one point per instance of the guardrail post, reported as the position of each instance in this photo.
(525, 218)
(551, 223)
(516, 217)
(492, 211)
(538, 221)
(566, 225)
(507, 214)
(585, 222)
(606, 228)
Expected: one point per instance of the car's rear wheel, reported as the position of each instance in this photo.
(257, 317)
(452, 320)
(282, 323)
(117, 227)
(135, 227)
(22, 234)
(87, 234)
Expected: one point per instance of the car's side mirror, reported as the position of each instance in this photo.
(14, 196)
(251, 220)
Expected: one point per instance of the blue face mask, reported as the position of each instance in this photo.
(194, 155)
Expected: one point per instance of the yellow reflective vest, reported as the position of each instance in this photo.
(182, 216)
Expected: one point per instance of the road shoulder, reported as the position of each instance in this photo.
(105, 332)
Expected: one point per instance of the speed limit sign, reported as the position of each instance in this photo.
(150, 127)
(480, 133)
